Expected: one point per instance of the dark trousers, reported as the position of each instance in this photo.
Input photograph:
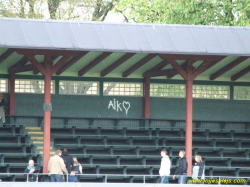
(56, 178)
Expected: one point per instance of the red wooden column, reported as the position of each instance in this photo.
(47, 69)
(146, 96)
(189, 74)
(189, 117)
(12, 93)
(47, 114)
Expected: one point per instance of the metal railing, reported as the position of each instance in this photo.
(217, 180)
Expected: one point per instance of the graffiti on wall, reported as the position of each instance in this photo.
(123, 106)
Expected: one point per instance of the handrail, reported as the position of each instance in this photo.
(113, 118)
(147, 146)
(137, 156)
(130, 165)
(139, 136)
(133, 136)
(115, 175)
(220, 179)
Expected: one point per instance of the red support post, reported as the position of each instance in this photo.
(146, 95)
(47, 117)
(189, 118)
(12, 93)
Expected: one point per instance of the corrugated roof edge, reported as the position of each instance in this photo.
(244, 47)
(127, 51)
(111, 23)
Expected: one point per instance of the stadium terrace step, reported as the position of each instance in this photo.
(35, 132)
(33, 128)
(41, 147)
(36, 139)
(37, 142)
(51, 152)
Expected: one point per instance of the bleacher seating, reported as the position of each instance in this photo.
(128, 147)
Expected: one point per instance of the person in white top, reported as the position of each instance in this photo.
(165, 167)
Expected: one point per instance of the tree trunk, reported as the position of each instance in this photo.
(102, 9)
(32, 8)
(22, 13)
(53, 5)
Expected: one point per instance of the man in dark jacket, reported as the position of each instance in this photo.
(31, 169)
(3, 107)
(68, 160)
(181, 171)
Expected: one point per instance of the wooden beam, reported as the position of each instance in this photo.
(59, 64)
(138, 64)
(157, 73)
(29, 67)
(116, 64)
(35, 72)
(190, 57)
(174, 72)
(12, 98)
(47, 52)
(201, 68)
(214, 63)
(48, 63)
(94, 63)
(36, 63)
(159, 66)
(6, 54)
(71, 62)
(178, 68)
(240, 74)
(146, 97)
(19, 63)
(228, 67)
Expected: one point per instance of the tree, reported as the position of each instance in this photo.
(95, 10)
(192, 12)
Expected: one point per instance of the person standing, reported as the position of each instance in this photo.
(165, 167)
(56, 167)
(199, 170)
(75, 171)
(181, 171)
(68, 159)
(76, 166)
(3, 107)
(31, 169)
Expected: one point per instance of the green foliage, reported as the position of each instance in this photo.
(193, 12)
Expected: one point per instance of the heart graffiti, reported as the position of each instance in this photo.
(119, 106)
(126, 106)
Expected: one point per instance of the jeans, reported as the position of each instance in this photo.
(164, 179)
(73, 178)
(182, 179)
(56, 178)
(2, 114)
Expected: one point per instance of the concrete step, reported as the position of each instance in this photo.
(33, 128)
(31, 132)
(37, 142)
(51, 152)
(41, 147)
(36, 137)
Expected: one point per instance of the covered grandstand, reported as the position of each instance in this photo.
(116, 94)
